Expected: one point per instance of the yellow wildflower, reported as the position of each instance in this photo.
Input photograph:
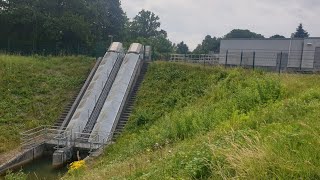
(77, 165)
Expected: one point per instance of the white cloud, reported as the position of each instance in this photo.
(191, 20)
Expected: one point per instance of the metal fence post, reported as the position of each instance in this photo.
(280, 63)
(300, 68)
(254, 60)
(226, 58)
(241, 58)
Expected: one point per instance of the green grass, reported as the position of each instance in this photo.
(192, 122)
(35, 90)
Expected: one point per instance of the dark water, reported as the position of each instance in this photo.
(41, 169)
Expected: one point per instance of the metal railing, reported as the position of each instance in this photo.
(39, 135)
(62, 138)
(206, 59)
(275, 60)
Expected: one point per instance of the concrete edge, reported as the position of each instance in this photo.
(23, 158)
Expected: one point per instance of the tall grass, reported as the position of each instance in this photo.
(213, 123)
(34, 90)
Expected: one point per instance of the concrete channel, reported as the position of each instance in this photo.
(92, 121)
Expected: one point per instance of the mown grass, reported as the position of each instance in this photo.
(35, 90)
(192, 122)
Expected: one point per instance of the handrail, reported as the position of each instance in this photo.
(38, 135)
(63, 138)
(39, 129)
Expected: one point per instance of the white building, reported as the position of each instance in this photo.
(296, 54)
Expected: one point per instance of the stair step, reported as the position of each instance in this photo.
(119, 132)
(122, 124)
(116, 133)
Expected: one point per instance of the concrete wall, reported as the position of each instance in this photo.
(23, 158)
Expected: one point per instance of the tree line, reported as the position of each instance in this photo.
(212, 44)
(58, 26)
(75, 27)
(85, 27)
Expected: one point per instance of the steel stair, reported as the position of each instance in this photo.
(124, 117)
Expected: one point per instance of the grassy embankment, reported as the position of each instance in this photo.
(34, 91)
(192, 122)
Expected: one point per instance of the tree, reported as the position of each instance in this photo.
(146, 24)
(161, 46)
(240, 33)
(277, 36)
(209, 44)
(57, 26)
(146, 29)
(198, 50)
(182, 48)
(300, 32)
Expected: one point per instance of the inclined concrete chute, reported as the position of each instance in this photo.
(89, 100)
(65, 141)
(118, 94)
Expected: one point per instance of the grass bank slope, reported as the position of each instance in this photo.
(192, 122)
(35, 90)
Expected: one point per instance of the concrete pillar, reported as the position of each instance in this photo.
(60, 157)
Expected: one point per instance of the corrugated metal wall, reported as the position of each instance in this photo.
(296, 53)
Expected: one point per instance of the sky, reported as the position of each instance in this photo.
(191, 20)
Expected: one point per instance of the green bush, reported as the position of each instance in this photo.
(16, 176)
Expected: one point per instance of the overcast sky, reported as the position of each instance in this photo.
(191, 20)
